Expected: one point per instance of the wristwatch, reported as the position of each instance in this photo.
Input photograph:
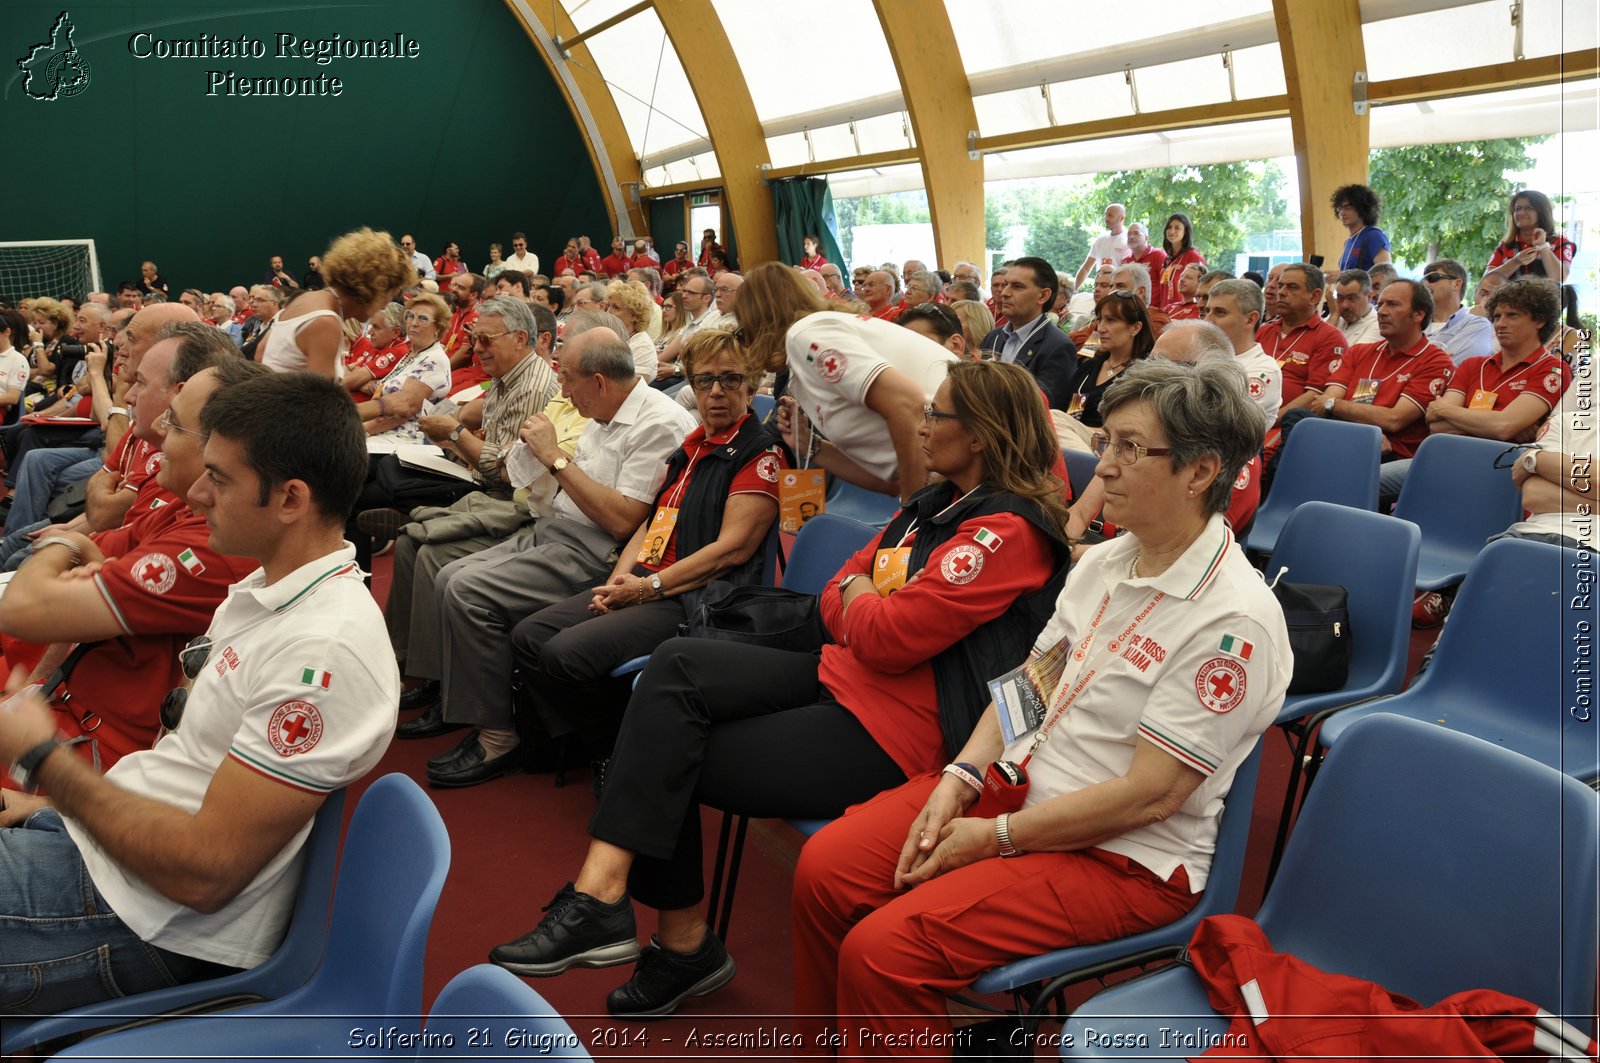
(655, 585)
(1529, 461)
(456, 433)
(558, 465)
(844, 584)
(1327, 406)
(1002, 835)
(22, 771)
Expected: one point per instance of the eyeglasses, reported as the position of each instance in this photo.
(702, 293)
(485, 337)
(931, 414)
(1124, 451)
(729, 381)
(167, 424)
(423, 319)
(192, 658)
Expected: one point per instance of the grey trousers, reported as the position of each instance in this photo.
(412, 619)
(480, 598)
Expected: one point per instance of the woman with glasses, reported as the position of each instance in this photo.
(364, 271)
(949, 596)
(374, 356)
(1125, 335)
(1164, 660)
(1531, 245)
(420, 376)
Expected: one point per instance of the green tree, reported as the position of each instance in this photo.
(1447, 200)
(1216, 198)
(1048, 210)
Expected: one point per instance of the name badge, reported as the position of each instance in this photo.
(1022, 695)
(658, 535)
(1366, 390)
(802, 494)
(1482, 400)
(889, 569)
(1075, 407)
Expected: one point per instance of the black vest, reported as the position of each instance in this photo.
(962, 671)
(706, 497)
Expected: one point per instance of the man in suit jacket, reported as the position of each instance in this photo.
(1029, 338)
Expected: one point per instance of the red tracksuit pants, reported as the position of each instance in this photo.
(874, 966)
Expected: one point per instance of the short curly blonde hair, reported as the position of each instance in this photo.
(53, 311)
(367, 265)
(705, 346)
(632, 297)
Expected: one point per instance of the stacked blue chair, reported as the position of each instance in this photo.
(486, 1012)
(1458, 498)
(288, 969)
(1035, 982)
(392, 871)
(1427, 861)
(1080, 469)
(1374, 558)
(1514, 664)
(1324, 461)
(859, 504)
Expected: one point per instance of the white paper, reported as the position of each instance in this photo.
(385, 444)
(428, 459)
(522, 468)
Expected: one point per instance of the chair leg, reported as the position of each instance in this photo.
(1294, 733)
(726, 916)
(725, 873)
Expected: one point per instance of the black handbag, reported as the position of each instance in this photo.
(1318, 618)
(761, 616)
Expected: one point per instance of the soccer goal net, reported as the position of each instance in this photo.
(48, 267)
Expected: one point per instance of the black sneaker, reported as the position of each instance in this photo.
(664, 979)
(576, 931)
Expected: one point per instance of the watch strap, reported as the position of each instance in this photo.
(22, 771)
(1002, 835)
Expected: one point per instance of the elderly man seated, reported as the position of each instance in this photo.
(604, 492)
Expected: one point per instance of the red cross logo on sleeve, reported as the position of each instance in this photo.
(295, 728)
(961, 565)
(831, 366)
(1220, 684)
(150, 572)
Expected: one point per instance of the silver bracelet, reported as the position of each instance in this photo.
(61, 540)
(1002, 835)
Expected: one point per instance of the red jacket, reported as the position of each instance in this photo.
(1286, 1009)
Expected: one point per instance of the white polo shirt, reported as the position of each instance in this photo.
(300, 687)
(1571, 430)
(1364, 330)
(1199, 677)
(833, 360)
(524, 263)
(1263, 379)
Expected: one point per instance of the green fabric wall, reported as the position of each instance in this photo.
(468, 142)
(666, 226)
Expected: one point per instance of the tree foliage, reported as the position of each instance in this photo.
(1217, 198)
(1447, 200)
(1048, 211)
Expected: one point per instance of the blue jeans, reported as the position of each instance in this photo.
(1392, 477)
(43, 473)
(61, 946)
(16, 547)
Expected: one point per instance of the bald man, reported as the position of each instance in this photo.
(1110, 249)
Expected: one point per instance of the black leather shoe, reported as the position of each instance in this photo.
(665, 979)
(421, 696)
(427, 725)
(577, 930)
(446, 761)
(469, 767)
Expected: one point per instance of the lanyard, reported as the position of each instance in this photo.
(911, 529)
(1351, 249)
(1382, 353)
(1065, 701)
(1277, 341)
(1533, 363)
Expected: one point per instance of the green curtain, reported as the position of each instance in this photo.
(804, 206)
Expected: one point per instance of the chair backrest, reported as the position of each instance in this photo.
(1233, 837)
(762, 406)
(1372, 557)
(859, 504)
(396, 855)
(487, 1010)
(1431, 862)
(1455, 494)
(1080, 469)
(822, 546)
(1328, 461)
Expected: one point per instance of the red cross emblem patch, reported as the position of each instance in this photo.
(156, 573)
(1220, 684)
(830, 366)
(962, 564)
(295, 728)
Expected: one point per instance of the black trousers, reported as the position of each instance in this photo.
(742, 728)
(564, 655)
(391, 485)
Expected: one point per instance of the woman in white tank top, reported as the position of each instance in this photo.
(364, 270)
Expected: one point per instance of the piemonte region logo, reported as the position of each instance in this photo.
(55, 69)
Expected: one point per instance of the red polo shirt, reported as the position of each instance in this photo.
(888, 313)
(616, 265)
(1303, 354)
(1417, 376)
(1544, 376)
(676, 266)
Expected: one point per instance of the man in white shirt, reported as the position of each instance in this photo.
(181, 861)
(606, 491)
(424, 265)
(1353, 297)
(1454, 327)
(1234, 306)
(521, 259)
(1110, 249)
(698, 291)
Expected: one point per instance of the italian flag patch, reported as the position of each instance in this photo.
(987, 539)
(312, 677)
(189, 561)
(1234, 646)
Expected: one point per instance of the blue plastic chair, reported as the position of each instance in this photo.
(288, 969)
(1064, 967)
(1459, 499)
(486, 1011)
(393, 868)
(1374, 558)
(1427, 861)
(1080, 469)
(762, 406)
(859, 504)
(1324, 461)
(1504, 669)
